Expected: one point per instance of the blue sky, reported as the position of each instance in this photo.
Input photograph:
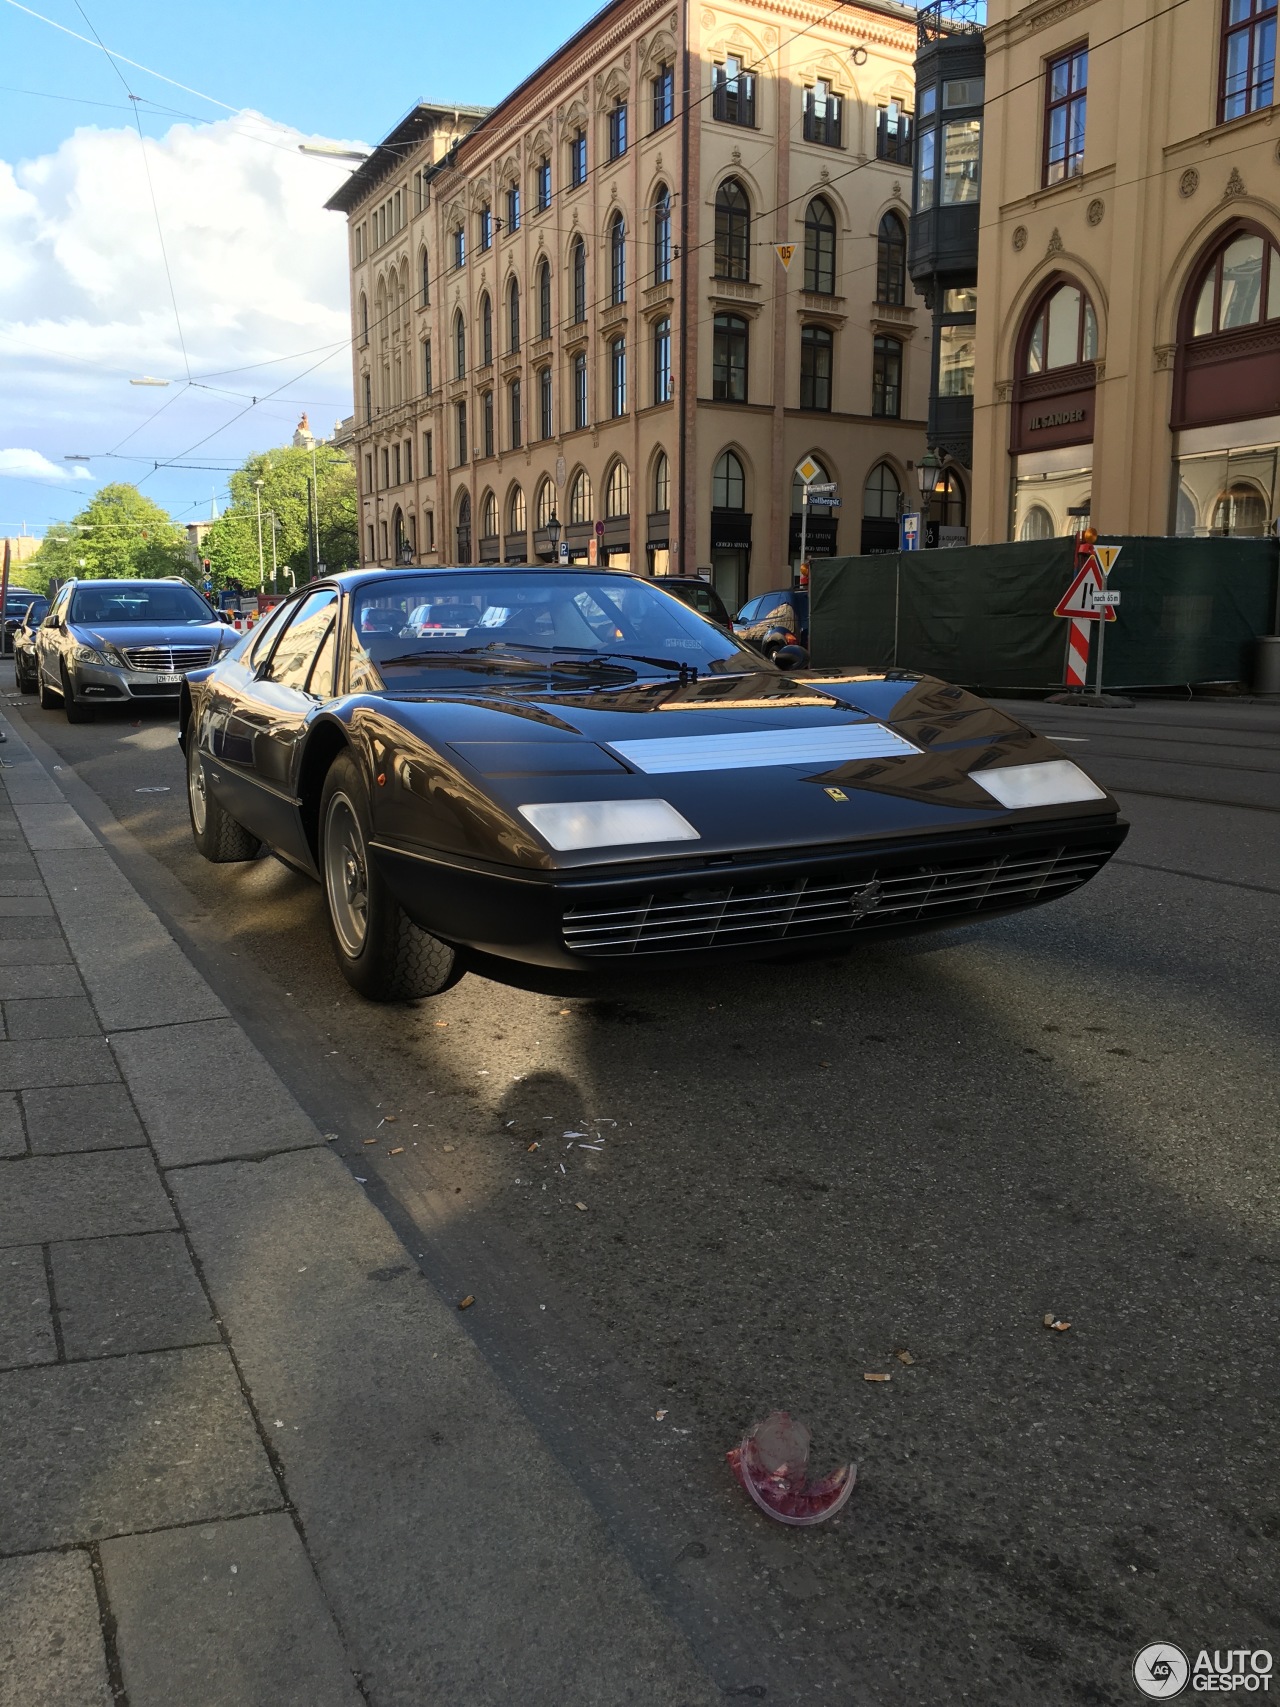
(258, 269)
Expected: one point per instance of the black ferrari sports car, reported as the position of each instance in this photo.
(569, 768)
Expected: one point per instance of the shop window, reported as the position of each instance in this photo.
(581, 502)
(1239, 287)
(662, 482)
(1063, 333)
(617, 492)
(1036, 524)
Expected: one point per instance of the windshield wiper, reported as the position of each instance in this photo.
(686, 671)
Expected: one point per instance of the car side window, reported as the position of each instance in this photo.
(56, 609)
(748, 611)
(320, 678)
(297, 648)
(265, 637)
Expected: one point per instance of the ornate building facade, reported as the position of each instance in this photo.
(1128, 303)
(626, 303)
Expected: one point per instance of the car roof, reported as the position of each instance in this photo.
(351, 578)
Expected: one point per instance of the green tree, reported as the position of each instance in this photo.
(119, 534)
(231, 544)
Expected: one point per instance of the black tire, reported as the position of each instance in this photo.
(76, 713)
(26, 683)
(382, 953)
(216, 833)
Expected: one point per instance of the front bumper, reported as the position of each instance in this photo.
(672, 913)
(107, 682)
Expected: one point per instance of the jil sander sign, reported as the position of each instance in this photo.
(1059, 418)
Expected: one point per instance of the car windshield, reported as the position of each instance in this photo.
(167, 602)
(412, 630)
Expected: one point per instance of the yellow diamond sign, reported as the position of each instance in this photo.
(807, 469)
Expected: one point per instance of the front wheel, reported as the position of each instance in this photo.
(76, 713)
(382, 953)
(216, 833)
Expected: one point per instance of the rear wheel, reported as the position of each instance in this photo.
(216, 834)
(76, 713)
(382, 953)
(25, 680)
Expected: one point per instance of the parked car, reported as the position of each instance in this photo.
(564, 768)
(23, 642)
(776, 619)
(123, 640)
(698, 594)
(17, 602)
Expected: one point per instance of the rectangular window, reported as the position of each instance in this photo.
(618, 376)
(1066, 89)
(408, 459)
(368, 472)
(815, 367)
(729, 359)
(513, 208)
(580, 390)
(733, 93)
(428, 456)
(459, 248)
(955, 361)
(822, 114)
(386, 469)
(368, 397)
(426, 367)
(962, 92)
(1248, 63)
(395, 464)
(517, 416)
(926, 167)
(431, 530)
(544, 403)
(578, 159)
(357, 234)
(961, 301)
(618, 131)
(544, 184)
(893, 134)
(460, 423)
(486, 405)
(486, 228)
(886, 378)
(664, 96)
(382, 526)
(662, 361)
(372, 549)
(961, 161)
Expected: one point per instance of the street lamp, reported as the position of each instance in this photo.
(406, 551)
(262, 568)
(929, 474)
(553, 533)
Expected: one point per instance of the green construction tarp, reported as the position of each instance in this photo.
(1190, 611)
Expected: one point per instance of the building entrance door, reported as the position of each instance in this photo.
(729, 577)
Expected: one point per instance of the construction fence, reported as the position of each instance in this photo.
(1190, 612)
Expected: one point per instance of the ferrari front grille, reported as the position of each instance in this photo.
(717, 915)
(168, 658)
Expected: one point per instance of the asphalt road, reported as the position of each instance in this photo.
(798, 1172)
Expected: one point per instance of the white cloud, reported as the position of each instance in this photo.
(30, 465)
(258, 267)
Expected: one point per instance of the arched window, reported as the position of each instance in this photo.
(513, 314)
(516, 513)
(544, 300)
(426, 279)
(617, 259)
(578, 268)
(488, 516)
(486, 330)
(820, 247)
(545, 507)
(581, 503)
(464, 528)
(662, 235)
(733, 231)
(662, 482)
(617, 492)
(1036, 524)
(1240, 510)
(1240, 286)
(364, 318)
(1063, 333)
(797, 484)
(728, 483)
(891, 261)
(882, 494)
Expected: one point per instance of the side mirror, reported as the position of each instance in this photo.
(791, 658)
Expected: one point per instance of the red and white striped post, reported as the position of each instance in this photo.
(1077, 652)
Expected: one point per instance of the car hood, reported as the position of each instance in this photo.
(752, 761)
(131, 634)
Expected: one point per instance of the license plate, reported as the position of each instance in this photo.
(156, 678)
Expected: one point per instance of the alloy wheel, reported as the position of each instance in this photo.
(346, 875)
